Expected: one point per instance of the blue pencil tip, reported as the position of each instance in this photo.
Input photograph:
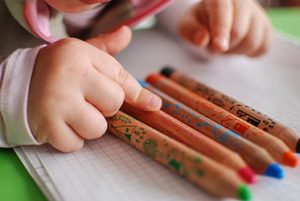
(143, 83)
(275, 170)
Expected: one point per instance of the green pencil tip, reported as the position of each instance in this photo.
(244, 193)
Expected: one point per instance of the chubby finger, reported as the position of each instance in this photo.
(63, 138)
(87, 121)
(265, 44)
(220, 14)
(192, 29)
(134, 93)
(252, 40)
(241, 22)
(102, 92)
(114, 42)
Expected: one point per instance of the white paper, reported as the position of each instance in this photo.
(108, 169)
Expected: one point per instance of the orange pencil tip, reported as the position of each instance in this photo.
(289, 159)
(152, 78)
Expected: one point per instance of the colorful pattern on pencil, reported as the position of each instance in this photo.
(255, 156)
(276, 148)
(181, 132)
(204, 172)
(237, 108)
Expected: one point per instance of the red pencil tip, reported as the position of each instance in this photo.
(247, 175)
(152, 78)
(289, 159)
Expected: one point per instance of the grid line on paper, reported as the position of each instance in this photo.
(133, 171)
(105, 179)
(110, 170)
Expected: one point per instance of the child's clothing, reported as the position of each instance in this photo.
(15, 71)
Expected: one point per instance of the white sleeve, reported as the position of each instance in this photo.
(169, 20)
(15, 76)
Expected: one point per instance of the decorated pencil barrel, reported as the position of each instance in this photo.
(195, 167)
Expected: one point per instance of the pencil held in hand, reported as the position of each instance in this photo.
(204, 172)
(237, 108)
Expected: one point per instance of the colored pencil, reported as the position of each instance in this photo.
(197, 168)
(252, 116)
(276, 148)
(176, 129)
(259, 160)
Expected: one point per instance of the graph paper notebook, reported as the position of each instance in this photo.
(110, 170)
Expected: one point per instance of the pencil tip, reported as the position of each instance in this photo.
(275, 170)
(167, 71)
(143, 83)
(244, 193)
(298, 146)
(247, 175)
(289, 159)
(153, 78)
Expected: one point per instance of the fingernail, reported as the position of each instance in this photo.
(154, 103)
(149, 101)
(223, 43)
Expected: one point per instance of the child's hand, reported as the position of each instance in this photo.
(74, 86)
(231, 26)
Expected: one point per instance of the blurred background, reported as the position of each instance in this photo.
(280, 3)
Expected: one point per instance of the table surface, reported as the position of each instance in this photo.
(17, 185)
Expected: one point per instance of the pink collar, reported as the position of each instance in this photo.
(37, 14)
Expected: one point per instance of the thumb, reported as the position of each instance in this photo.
(114, 42)
(192, 29)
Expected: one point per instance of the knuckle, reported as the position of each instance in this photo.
(63, 47)
(116, 101)
(123, 76)
(68, 42)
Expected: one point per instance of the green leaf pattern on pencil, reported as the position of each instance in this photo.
(160, 149)
(123, 119)
(123, 131)
(150, 147)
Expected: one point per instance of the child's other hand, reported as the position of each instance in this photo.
(75, 85)
(228, 26)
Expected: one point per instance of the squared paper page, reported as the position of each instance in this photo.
(108, 169)
(37, 171)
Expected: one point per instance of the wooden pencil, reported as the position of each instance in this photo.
(252, 116)
(197, 168)
(193, 139)
(258, 159)
(276, 148)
